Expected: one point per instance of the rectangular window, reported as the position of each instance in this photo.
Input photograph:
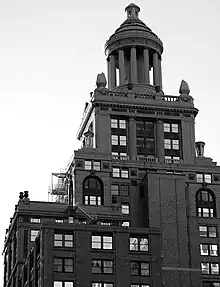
(204, 250)
(139, 285)
(124, 190)
(123, 141)
(102, 284)
(59, 220)
(114, 123)
(122, 124)
(205, 212)
(199, 177)
(125, 208)
(34, 234)
(167, 143)
(213, 249)
(207, 178)
(35, 220)
(63, 240)
(138, 268)
(64, 265)
(62, 284)
(116, 172)
(96, 165)
(125, 223)
(101, 242)
(210, 268)
(175, 128)
(205, 268)
(102, 266)
(114, 140)
(124, 173)
(115, 189)
(88, 165)
(139, 243)
(166, 127)
(175, 144)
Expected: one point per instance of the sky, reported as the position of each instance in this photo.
(50, 54)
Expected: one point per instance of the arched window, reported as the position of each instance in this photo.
(205, 203)
(93, 191)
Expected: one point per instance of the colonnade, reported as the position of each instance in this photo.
(134, 64)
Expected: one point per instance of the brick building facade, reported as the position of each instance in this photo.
(139, 203)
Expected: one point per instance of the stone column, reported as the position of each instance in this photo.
(133, 66)
(156, 70)
(121, 67)
(132, 138)
(160, 73)
(160, 154)
(111, 72)
(146, 67)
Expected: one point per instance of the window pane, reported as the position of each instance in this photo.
(144, 269)
(124, 173)
(58, 263)
(122, 124)
(125, 223)
(205, 268)
(215, 268)
(68, 265)
(57, 284)
(35, 220)
(96, 266)
(175, 144)
(167, 143)
(212, 231)
(123, 141)
(96, 241)
(34, 234)
(96, 165)
(114, 140)
(108, 266)
(124, 190)
(208, 178)
(114, 189)
(68, 284)
(213, 250)
(107, 242)
(68, 238)
(134, 268)
(204, 249)
(96, 284)
(203, 231)
(199, 177)
(143, 244)
(125, 208)
(133, 243)
(175, 128)
(166, 127)
(116, 172)
(114, 123)
(88, 165)
(108, 285)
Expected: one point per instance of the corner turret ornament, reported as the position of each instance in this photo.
(184, 92)
(101, 84)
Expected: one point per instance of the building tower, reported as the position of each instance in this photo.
(138, 203)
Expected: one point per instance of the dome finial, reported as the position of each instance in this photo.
(132, 11)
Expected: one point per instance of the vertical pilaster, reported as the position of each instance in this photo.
(160, 141)
(146, 67)
(111, 72)
(133, 65)
(121, 67)
(156, 70)
(132, 138)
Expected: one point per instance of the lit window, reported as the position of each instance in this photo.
(102, 266)
(93, 191)
(88, 165)
(175, 128)
(59, 220)
(123, 141)
(199, 177)
(62, 284)
(34, 234)
(212, 232)
(139, 244)
(175, 144)
(125, 208)
(203, 231)
(114, 140)
(101, 242)
(205, 268)
(205, 203)
(57, 284)
(166, 127)
(114, 123)
(122, 124)
(124, 173)
(71, 219)
(96, 165)
(204, 249)
(208, 178)
(68, 240)
(125, 223)
(139, 285)
(35, 220)
(92, 200)
(214, 268)
(167, 143)
(98, 284)
(213, 249)
(58, 239)
(116, 172)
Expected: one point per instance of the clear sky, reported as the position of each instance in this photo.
(50, 54)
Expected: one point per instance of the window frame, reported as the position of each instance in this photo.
(102, 243)
(138, 238)
(103, 267)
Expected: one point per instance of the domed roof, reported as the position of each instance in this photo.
(135, 30)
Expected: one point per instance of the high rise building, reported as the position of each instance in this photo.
(138, 204)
